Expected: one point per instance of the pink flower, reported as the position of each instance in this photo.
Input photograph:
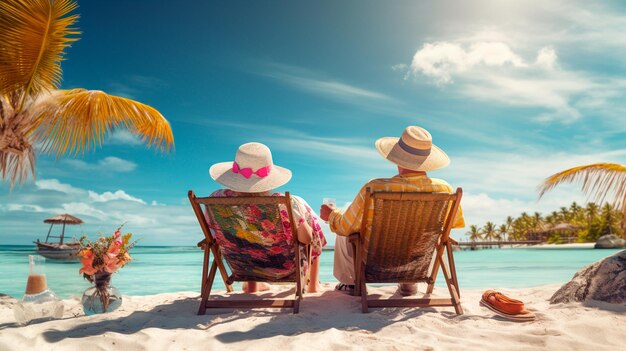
(254, 212)
(114, 249)
(111, 263)
(267, 224)
(87, 262)
(117, 234)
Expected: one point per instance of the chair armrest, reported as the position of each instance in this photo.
(453, 242)
(202, 244)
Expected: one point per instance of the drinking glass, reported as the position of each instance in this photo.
(329, 201)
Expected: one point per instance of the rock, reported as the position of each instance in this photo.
(604, 280)
(610, 241)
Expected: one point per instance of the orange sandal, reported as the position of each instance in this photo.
(505, 306)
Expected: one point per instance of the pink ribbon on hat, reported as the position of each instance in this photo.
(248, 172)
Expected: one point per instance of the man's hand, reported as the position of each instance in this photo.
(325, 211)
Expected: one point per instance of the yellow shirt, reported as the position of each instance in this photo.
(349, 221)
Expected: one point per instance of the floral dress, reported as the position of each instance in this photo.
(246, 234)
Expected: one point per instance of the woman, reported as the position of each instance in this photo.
(253, 173)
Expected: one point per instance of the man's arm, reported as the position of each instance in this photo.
(349, 221)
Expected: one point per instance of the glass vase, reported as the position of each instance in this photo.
(102, 297)
(38, 303)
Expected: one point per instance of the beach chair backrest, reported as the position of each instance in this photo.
(406, 230)
(255, 236)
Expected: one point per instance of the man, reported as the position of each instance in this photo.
(413, 154)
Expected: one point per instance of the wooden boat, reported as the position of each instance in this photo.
(59, 250)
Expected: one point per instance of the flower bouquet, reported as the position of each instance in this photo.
(100, 259)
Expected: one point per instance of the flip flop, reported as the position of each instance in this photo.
(506, 307)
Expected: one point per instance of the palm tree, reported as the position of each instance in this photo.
(34, 113)
(489, 231)
(599, 181)
(609, 219)
(474, 233)
(503, 230)
(537, 221)
(592, 212)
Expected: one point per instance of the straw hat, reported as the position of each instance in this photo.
(414, 150)
(253, 170)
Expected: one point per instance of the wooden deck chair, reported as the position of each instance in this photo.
(408, 237)
(257, 238)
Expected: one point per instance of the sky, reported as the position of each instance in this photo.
(513, 91)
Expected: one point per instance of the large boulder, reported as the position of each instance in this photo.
(604, 280)
(610, 241)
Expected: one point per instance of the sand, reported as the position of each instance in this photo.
(328, 320)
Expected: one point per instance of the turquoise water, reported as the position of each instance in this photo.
(169, 269)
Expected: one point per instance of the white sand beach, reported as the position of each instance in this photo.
(328, 320)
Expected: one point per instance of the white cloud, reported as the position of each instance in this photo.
(110, 164)
(360, 151)
(23, 207)
(556, 56)
(443, 59)
(83, 209)
(515, 174)
(123, 137)
(546, 58)
(22, 213)
(109, 196)
(54, 184)
(328, 87)
(134, 86)
(330, 148)
(494, 72)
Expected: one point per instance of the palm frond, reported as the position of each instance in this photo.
(33, 37)
(74, 121)
(599, 181)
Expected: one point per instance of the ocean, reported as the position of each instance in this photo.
(170, 269)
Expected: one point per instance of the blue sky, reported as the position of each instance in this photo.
(513, 91)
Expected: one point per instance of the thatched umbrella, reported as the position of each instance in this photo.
(62, 219)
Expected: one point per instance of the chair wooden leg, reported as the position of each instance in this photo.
(452, 267)
(218, 257)
(296, 302)
(206, 288)
(205, 268)
(364, 307)
(357, 269)
(438, 253)
(452, 289)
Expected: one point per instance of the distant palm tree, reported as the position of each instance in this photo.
(599, 181)
(502, 232)
(34, 113)
(489, 231)
(537, 220)
(592, 211)
(609, 219)
(474, 233)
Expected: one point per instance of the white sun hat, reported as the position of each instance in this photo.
(414, 150)
(253, 170)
